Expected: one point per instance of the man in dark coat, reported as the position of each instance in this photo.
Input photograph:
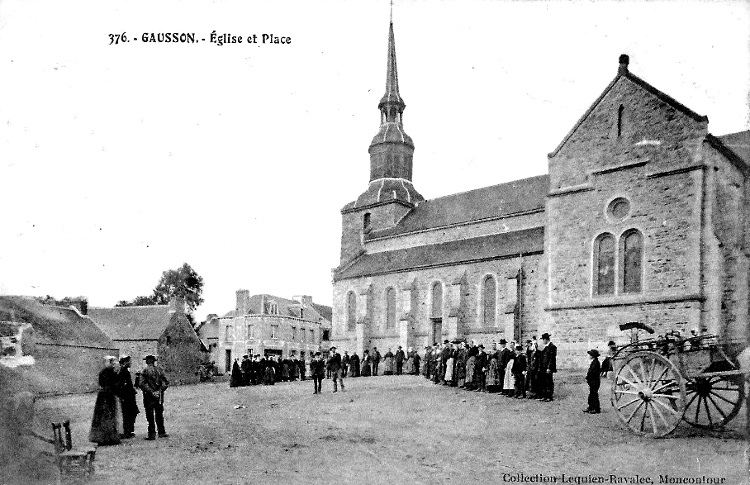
(127, 394)
(153, 383)
(318, 372)
(375, 361)
(334, 366)
(354, 365)
(518, 369)
(547, 367)
(245, 368)
(480, 367)
(594, 379)
(400, 356)
(235, 378)
(301, 365)
(445, 354)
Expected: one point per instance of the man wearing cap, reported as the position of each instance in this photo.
(593, 379)
(127, 398)
(153, 383)
(547, 367)
(375, 361)
(334, 365)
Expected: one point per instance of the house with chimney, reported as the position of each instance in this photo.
(267, 325)
(161, 330)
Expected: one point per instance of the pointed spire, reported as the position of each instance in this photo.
(391, 98)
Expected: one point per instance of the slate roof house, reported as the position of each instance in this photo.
(642, 216)
(60, 349)
(162, 330)
(267, 325)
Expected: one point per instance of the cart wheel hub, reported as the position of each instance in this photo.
(645, 394)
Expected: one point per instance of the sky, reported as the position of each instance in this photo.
(121, 161)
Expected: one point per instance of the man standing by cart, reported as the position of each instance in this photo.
(153, 383)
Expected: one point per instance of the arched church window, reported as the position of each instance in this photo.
(437, 300)
(631, 261)
(604, 262)
(351, 310)
(620, 113)
(390, 308)
(489, 300)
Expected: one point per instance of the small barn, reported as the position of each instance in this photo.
(49, 349)
(162, 330)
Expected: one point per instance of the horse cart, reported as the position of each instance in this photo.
(661, 381)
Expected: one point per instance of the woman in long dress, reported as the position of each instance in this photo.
(469, 380)
(106, 426)
(390, 363)
(449, 365)
(508, 381)
(494, 380)
(354, 366)
(366, 362)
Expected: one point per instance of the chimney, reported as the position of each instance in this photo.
(243, 302)
(81, 305)
(263, 305)
(305, 300)
(177, 304)
(624, 61)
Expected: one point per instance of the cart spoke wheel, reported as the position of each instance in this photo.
(713, 401)
(649, 394)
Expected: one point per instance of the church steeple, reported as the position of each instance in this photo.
(391, 150)
(391, 104)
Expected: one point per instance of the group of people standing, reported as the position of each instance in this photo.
(116, 409)
(266, 370)
(511, 370)
(397, 363)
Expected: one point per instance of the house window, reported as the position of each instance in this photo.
(274, 331)
(249, 331)
(312, 336)
(326, 335)
(631, 257)
(351, 310)
(489, 303)
(437, 300)
(294, 333)
(228, 333)
(390, 308)
(604, 265)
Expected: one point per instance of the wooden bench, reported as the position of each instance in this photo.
(71, 461)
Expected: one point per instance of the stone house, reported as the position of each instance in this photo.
(267, 325)
(642, 216)
(49, 349)
(162, 330)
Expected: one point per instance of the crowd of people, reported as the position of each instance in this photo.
(266, 370)
(511, 370)
(116, 407)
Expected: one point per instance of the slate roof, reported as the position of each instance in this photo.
(54, 324)
(132, 322)
(288, 308)
(454, 252)
(494, 201)
(739, 143)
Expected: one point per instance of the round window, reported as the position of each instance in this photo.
(619, 208)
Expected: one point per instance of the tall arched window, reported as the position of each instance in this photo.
(604, 260)
(620, 112)
(351, 310)
(437, 301)
(631, 261)
(390, 308)
(489, 303)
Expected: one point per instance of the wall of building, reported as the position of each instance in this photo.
(267, 333)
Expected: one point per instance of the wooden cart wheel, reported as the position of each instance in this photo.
(648, 394)
(712, 402)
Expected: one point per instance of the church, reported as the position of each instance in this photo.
(642, 217)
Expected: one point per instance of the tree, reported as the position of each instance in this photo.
(183, 282)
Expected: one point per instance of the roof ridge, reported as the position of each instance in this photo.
(456, 194)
